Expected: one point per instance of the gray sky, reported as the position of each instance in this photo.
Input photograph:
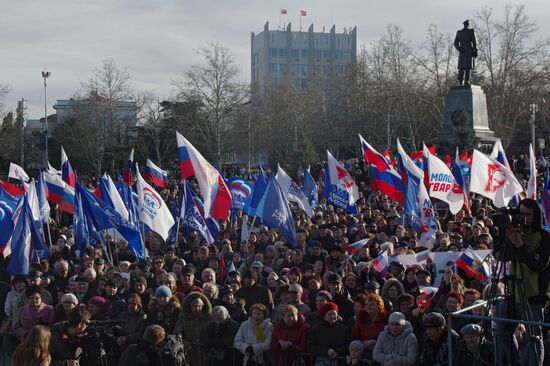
(157, 39)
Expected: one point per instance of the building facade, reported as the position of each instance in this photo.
(300, 55)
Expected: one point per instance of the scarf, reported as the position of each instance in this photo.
(259, 331)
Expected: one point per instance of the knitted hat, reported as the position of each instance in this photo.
(98, 301)
(434, 320)
(163, 291)
(397, 318)
(357, 344)
(326, 308)
(140, 279)
(69, 298)
(327, 295)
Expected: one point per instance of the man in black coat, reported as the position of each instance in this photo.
(65, 339)
(252, 292)
(145, 353)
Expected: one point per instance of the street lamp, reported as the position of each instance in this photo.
(46, 75)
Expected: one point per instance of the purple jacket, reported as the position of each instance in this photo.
(29, 317)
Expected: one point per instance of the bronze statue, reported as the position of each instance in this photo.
(465, 43)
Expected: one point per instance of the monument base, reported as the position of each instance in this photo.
(466, 107)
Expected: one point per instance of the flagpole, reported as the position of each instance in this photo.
(180, 213)
(249, 231)
(49, 232)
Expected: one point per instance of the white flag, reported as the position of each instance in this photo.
(152, 210)
(532, 185)
(442, 183)
(292, 191)
(341, 178)
(16, 172)
(493, 180)
(244, 229)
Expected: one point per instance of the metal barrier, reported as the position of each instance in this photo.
(270, 358)
(460, 314)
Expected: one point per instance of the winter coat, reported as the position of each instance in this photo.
(345, 304)
(436, 353)
(464, 357)
(164, 315)
(135, 325)
(366, 329)
(403, 348)
(389, 283)
(324, 336)
(236, 309)
(29, 317)
(297, 334)
(60, 315)
(219, 339)
(189, 325)
(140, 355)
(23, 300)
(247, 338)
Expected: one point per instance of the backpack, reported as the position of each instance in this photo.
(172, 352)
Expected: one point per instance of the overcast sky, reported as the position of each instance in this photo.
(157, 39)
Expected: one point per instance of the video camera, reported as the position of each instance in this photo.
(509, 217)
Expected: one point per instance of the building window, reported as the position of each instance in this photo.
(296, 69)
(347, 56)
(272, 67)
(273, 52)
(256, 59)
(326, 54)
(296, 54)
(304, 54)
(282, 53)
(339, 70)
(318, 54)
(338, 55)
(282, 68)
(304, 70)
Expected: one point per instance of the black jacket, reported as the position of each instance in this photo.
(62, 346)
(256, 294)
(139, 355)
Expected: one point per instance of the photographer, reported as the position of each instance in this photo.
(66, 338)
(528, 248)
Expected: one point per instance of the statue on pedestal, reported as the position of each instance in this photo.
(465, 43)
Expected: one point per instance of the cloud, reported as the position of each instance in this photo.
(157, 40)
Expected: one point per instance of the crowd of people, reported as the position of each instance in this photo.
(262, 301)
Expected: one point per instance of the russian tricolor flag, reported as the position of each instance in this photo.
(473, 267)
(67, 173)
(422, 256)
(380, 263)
(216, 195)
(127, 175)
(352, 248)
(186, 166)
(384, 178)
(155, 175)
(59, 192)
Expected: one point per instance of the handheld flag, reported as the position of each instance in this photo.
(241, 192)
(422, 256)
(493, 180)
(335, 195)
(532, 184)
(461, 181)
(472, 266)
(191, 216)
(18, 173)
(274, 211)
(545, 196)
(155, 175)
(259, 188)
(354, 247)
(310, 189)
(43, 204)
(380, 263)
(340, 178)
(292, 191)
(67, 173)
(59, 192)
(216, 195)
(127, 175)
(152, 210)
(442, 183)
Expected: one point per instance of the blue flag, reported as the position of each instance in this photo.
(191, 216)
(274, 211)
(8, 205)
(259, 188)
(337, 196)
(545, 195)
(28, 245)
(104, 217)
(241, 192)
(310, 189)
(80, 226)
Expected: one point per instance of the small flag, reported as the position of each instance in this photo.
(473, 267)
(16, 172)
(310, 189)
(128, 169)
(352, 248)
(303, 13)
(426, 295)
(283, 12)
(380, 263)
(422, 256)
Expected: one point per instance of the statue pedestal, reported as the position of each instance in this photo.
(466, 106)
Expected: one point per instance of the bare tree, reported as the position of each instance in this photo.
(216, 85)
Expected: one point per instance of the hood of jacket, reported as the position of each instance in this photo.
(186, 306)
(391, 282)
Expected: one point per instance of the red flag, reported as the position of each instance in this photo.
(420, 154)
(465, 158)
(303, 13)
(448, 160)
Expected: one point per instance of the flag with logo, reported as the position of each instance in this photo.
(260, 185)
(275, 213)
(310, 189)
(336, 196)
(293, 191)
(18, 173)
(153, 212)
(442, 184)
(241, 192)
(191, 215)
(493, 180)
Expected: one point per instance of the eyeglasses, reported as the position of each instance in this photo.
(35, 298)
